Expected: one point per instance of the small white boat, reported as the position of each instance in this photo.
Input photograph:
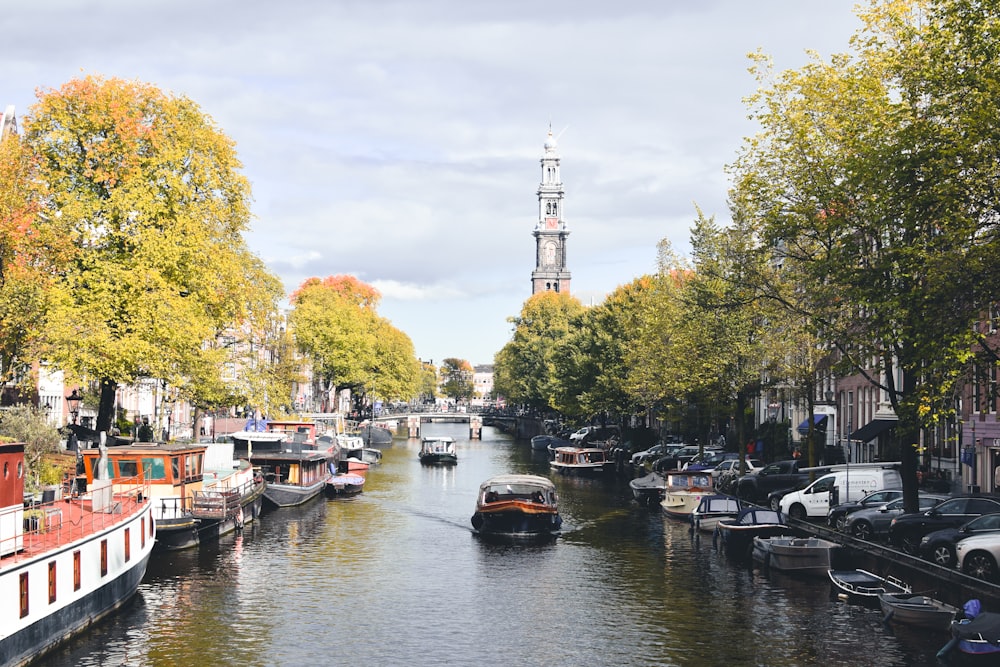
(866, 585)
(714, 508)
(787, 553)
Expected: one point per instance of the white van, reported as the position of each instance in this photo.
(845, 483)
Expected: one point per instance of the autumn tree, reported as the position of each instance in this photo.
(457, 374)
(524, 369)
(336, 325)
(149, 193)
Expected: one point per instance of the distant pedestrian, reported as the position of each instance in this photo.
(145, 432)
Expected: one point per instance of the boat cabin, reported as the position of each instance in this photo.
(530, 488)
(295, 431)
(584, 457)
(699, 480)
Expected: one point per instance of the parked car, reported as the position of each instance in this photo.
(654, 452)
(977, 556)
(939, 546)
(709, 459)
(907, 530)
(874, 522)
(731, 466)
(772, 477)
(580, 434)
(677, 459)
(836, 518)
(848, 482)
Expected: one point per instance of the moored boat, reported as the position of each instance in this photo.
(232, 493)
(683, 492)
(866, 586)
(648, 489)
(438, 450)
(580, 461)
(975, 639)
(788, 553)
(917, 610)
(296, 470)
(737, 534)
(546, 443)
(345, 484)
(517, 507)
(713, 509)
(175, 473)
(66, 564)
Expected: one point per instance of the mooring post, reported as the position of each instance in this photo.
(413, 426)
(475, 427)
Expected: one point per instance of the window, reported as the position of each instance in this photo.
(77, 580)
(175, 468)
(52, 582)
(128, 544)
(104, 558)
(23, 583)
(154, 468)
(142, 533)
(128, 468)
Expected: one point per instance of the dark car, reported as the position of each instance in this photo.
(939, 546)
(676, 460)
(908, 530)
(874, 522)
(836, 518)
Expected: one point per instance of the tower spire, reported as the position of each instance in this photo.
(551, 231)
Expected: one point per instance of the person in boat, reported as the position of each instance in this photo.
(491, 496)
(538, 497)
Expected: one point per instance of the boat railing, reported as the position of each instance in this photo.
(173, 507)
(219, 504)
(49, 524)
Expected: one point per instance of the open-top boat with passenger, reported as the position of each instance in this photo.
(438, 450)
(517, 507)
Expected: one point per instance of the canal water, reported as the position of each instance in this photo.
(395, 576)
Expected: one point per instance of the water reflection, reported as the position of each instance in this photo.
(396, 576)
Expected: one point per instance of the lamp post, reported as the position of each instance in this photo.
(73, 401)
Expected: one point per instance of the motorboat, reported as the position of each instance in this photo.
(792, 554)
(96, 542)
(580, 461)
(648, 489)
(684, 491)
(438, 450)
(916, 610)
(517, 507)
(975, 638)
(736, 534)
(713, 509)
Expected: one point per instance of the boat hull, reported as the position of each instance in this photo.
(802, 555)
(680, 504)
(288, 495)
(434, 459)
(917, 611)
(517, 524)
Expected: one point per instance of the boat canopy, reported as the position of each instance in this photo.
(517, 484)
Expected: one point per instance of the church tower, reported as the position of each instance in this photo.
(550, 232)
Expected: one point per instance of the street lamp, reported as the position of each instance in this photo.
(73, 401)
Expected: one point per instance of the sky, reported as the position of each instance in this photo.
(399, 140)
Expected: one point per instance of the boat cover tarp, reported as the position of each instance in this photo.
(986, 626)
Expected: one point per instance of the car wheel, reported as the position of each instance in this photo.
(862, 530)
(910, 544)
(776, 504)
(797, 512)
(842, 523)
(943, 555)
(980, 565)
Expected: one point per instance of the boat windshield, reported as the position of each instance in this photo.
(534, 492)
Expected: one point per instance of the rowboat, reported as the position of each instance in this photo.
(865, 585)
(803, 555)
(917, 610)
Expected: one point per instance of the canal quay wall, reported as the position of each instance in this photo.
(944, 584)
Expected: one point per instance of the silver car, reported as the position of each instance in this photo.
(867, 524)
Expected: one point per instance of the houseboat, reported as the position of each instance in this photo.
(69, 563)
(295, 469)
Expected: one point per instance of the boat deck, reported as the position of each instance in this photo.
(61, 522)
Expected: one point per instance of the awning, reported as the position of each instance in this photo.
(818, 420)
(873, 429)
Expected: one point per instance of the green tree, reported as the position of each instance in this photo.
(148, 192)
(875, 176)
(524, 369)
(29, 425)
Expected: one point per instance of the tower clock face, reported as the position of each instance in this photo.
(550, 223)
(549, 254)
